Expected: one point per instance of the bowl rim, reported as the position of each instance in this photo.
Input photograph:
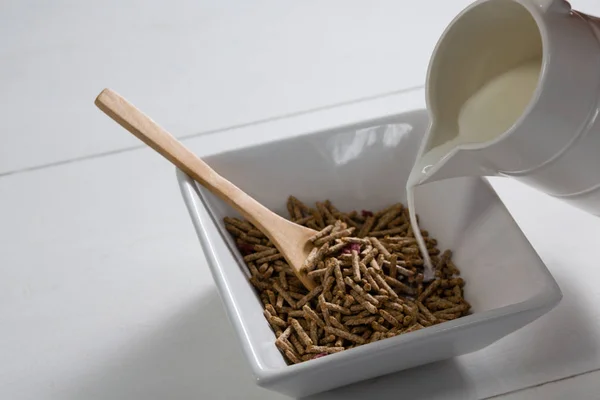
(195, 201)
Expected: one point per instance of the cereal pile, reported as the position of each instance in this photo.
(369, 275)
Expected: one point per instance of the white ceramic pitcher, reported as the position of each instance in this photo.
(555, 144)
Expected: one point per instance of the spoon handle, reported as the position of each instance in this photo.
(149, 132)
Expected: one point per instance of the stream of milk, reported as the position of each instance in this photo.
(488, 113)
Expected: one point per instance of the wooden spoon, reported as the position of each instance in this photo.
(290, 239)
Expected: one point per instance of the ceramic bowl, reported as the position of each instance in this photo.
(365, 166)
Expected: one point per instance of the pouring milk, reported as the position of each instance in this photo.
(513, 89)
(484, 116)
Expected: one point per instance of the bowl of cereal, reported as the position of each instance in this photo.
(371, 312)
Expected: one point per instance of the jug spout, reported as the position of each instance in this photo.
(548, 5)
(458, 163)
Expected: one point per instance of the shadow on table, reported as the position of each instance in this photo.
(565, 341)
(192, 355)
(195, 355)
(440, 380)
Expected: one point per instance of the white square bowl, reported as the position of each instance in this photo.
(365, 166)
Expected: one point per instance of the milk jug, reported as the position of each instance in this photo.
(513, 89)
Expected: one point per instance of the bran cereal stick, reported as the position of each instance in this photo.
(355, 240)
(295, 313)
(413, 328)
(375, 337)
(302, 335)
(296, 295)
(360, 291)
(338, 226)
(332, 236)
(235, 231)
(268, 273)
(324, 349)
(274, 257)
(336, 248)
(310, 314)
(310, 260)
(457, 292)
(263, 268)
(336, 324)
(309, 296)
(320, 254)
(256, 233)
(397, 284)
(345, 335)
(447, 317)
(305, 220)
(337, 308)
(389, 216)
(400, 269)
(285, 294)
(328, 339)
(292, 357)
(260, 286)
(393, 266)
(348, 301)
(395, 309)
(329, 218)
(279, 303)
(361, 314)
(397, 222)
(366, 251)
(297, 345)
(429, 290)
(242, 225)
(367, 305)
(316, 273)
(283, 345)
(324, 309)
(286, 334)
(367, 335)
(388, 232)
(456, 309)
(260, 247)
(254, 271)
(356, 266)
(274, 320)
(312, 225)
(377, 327)
(389, 318)
(460, 282)
(304, 209)
(318, 217)
(322, 233)
(283, 280)
(360, 321)
(367, 226)
(314, 333)
(359, 329)
(374, 285)
(270, 308)
(339, 279)
(382, 250)
(271, 297)
(290, 208)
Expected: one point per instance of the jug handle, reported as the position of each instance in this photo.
(552, 5)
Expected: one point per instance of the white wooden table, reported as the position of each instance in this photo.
(104, 291)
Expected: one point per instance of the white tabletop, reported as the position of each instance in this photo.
(104, 291)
